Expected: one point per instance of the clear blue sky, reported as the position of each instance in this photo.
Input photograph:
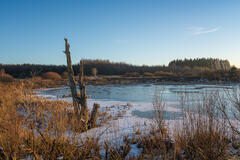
(134, 31)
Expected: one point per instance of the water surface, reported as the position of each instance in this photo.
(144, 94)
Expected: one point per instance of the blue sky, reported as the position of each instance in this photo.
(139, 32)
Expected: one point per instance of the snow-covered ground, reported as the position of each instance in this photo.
(128, 118)
(127, 122)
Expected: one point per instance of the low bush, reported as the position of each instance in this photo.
(51, 76)
(203, 134)
(6, 78)
(64, 75)
(147, 74)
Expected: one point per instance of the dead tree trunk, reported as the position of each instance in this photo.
(80, 101)
(72, 82)
(94, 115)
(83, 98)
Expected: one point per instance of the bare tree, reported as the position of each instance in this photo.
(83, 98)
(80, 101)
(75, 98)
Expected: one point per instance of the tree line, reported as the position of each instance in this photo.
(105, 67)
(210, 63)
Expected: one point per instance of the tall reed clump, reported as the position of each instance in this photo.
(10, 122)
(230, 108)
(39, 129)
(156, 142)
(202, 134)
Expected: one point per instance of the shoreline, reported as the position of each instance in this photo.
(106, 81)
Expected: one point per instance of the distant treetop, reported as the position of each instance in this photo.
(211, 63)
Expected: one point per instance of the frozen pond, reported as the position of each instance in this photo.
(141, 93)
(141, 96)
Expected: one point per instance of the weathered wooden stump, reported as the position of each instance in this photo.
(80, 100)
(94, 115)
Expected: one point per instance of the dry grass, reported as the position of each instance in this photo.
(43, 129)
(38, 83)
(203, 133)
(39, 128)
(114, 152)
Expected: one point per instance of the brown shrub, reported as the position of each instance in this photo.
(51, 75)
(147, 74)
(6, 78)
(203, 134)
(64, 75)
(204, 145)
